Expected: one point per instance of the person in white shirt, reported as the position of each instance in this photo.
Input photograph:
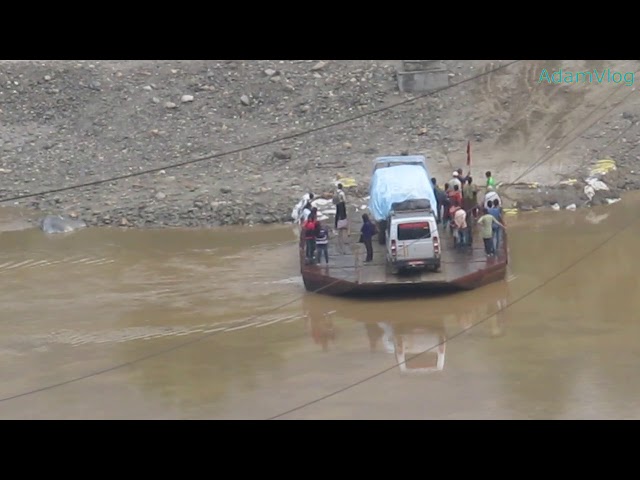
(304, 214)
(490, 196)
(455, 181)
(306, 209)
(296, 214)
(460, 221)
(341, 222)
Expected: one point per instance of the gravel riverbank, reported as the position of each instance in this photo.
(71, 122)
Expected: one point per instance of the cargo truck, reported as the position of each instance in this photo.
(402, 203)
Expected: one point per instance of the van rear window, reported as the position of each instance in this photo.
(414, 231)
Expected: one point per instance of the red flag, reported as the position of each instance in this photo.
(468, 153)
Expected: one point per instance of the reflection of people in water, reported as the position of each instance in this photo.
(374, 332)
(490, 312)
(380, 331)
(322, 330)
(497, 320)
(465, 320)
(319, 323)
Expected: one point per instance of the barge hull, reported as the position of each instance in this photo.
(348, 274)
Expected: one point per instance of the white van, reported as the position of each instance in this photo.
(413, 241)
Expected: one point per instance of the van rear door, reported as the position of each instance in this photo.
(414, 240)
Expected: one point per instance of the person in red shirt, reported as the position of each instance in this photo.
(455, 196)
(310, 228)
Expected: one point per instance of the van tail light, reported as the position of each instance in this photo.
(394, 249)
(436, 246)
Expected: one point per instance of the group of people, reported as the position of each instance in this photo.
(316, 234)
(459, 210)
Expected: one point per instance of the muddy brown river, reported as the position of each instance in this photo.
(123, 324)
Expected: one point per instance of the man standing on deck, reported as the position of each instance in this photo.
(455, 195)
(322, 243)
(310, 230)
(367, 232)
(455, 181)
(341, 221)
(441, 200)
(486, 222)
(469, 195)
(460, 221)
(304, 207)
(470, 203)
(497, 212)
(462, 177)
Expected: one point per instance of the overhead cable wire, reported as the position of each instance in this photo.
(548, 155)
(543, 284)
(187, 162)
(583, 257)
(181, 345)
(157, 353)
(196, 340)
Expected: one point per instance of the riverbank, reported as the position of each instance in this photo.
(74, 122)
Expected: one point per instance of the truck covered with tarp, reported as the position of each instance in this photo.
(397, 180)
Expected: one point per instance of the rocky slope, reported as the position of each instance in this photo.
(66, 123)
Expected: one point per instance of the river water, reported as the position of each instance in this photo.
(120, 323)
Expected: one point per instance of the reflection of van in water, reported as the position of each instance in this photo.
(412, 343)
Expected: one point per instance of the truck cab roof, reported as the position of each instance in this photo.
(389, 161)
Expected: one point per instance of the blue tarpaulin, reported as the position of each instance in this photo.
(397, 184)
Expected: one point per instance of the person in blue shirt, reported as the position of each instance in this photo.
(322, 243)
(496, 212)
(367, 232)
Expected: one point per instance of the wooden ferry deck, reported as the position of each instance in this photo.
(348, 274)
